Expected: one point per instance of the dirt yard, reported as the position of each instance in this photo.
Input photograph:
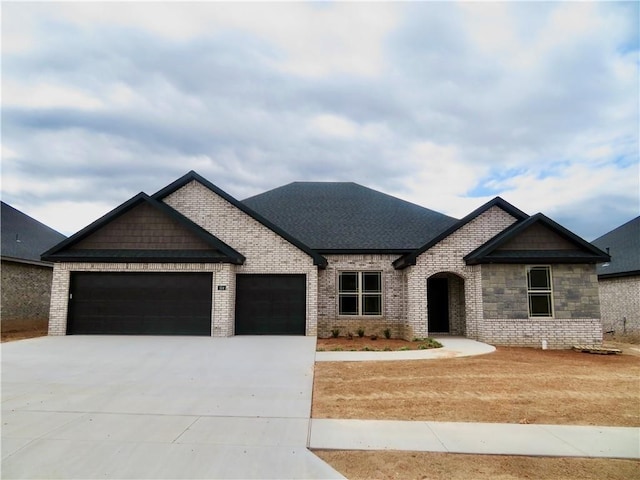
(19, 330)
(512, 385)
(442, 466)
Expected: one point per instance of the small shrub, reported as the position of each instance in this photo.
(403, 348)
(337, 349)
(352, 349)
(386, 349)
(374, 337)
(368, 349)
(361, 332)
(417, 339)
(320, 349)
(335, 332)
(350, 335)
(387, 333)
(429, 343)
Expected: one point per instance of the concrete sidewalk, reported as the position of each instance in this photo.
(451, 347)
(476, 438)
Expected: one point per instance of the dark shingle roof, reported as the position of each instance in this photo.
(23, 237)
(340, 216)
(624, 247)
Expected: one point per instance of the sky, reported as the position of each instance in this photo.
(443, 104)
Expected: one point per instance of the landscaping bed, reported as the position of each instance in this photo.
(367, 343)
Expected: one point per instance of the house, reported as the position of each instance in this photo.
(25, 279)
(310, 257)
(619, 279)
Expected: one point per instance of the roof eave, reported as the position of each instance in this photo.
(533, 260)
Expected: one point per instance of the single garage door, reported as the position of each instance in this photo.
(270, 304)
(140, 303)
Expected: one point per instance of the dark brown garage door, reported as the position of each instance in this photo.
(140, 303)
(270, 304)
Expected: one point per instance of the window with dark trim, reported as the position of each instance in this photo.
(360, 293)
(539, 291)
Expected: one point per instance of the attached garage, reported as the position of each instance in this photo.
(270, 305)
(140, 303)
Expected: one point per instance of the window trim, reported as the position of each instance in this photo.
(360, 293)
(540, 291)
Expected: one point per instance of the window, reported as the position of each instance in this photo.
(360, 293)
(539, 291)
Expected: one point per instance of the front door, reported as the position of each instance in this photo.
(438, 305)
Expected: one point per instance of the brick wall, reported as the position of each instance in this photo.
(265, 251)
(26, 293)
(393, 297)
(620, 305)
(447, 257)
(506, 319)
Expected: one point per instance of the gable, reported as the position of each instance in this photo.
(536, 240)
(503, 213)
(217, 211)
(537, 237)
(143, 230)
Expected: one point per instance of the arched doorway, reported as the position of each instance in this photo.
(445, 304)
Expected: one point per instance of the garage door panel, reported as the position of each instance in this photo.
(270, 304)
(140, 303)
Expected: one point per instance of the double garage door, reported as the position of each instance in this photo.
(180, 304)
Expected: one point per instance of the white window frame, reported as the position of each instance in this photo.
(537, 291)
(360, 293)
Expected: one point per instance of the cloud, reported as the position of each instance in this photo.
(443, 104)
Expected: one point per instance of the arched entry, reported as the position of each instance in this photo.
(445, 304)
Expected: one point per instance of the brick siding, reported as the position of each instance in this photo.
(393, 297)
(266, 252)
(620, 305)
(62, 276)
(447, 257)
(26, 292)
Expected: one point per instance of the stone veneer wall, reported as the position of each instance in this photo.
(265, 251)
(26, 293)
(576, 308)
(222, 302)
(393, 296)
(620, 305)
(447, 256)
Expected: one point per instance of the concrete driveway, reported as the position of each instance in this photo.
(158, 407)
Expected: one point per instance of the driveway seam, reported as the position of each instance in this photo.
(185, 430)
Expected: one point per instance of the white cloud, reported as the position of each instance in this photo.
(46, 95)
(68, 217)
(446, 104)
(317, 39)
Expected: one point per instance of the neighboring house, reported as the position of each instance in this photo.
(619, 279)
(310, 257)
(26, 280)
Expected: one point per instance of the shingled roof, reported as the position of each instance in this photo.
(24, 238)
(347, 217)
(623, 244)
